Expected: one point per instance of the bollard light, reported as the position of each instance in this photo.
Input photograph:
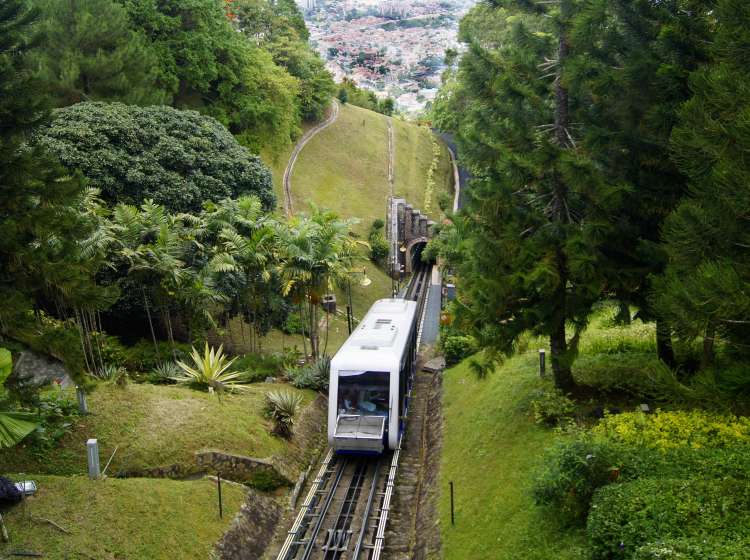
(542, 362)
(83, 406)
(92, 454)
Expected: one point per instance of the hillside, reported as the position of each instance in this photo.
(345, 168)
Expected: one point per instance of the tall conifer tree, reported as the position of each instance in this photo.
(706, 290)
(530, 237)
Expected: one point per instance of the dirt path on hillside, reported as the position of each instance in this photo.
(332, 116)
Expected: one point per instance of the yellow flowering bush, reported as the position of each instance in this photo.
(668, 430)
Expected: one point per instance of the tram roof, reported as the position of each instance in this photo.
(379, 340)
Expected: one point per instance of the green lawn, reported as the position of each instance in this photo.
(413, 145)
(155, 426)
(490, 447)
(134, 518)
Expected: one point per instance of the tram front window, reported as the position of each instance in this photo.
(363, 393)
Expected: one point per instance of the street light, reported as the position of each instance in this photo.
(364, 282)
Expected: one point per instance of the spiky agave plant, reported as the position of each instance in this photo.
(209, 370)
(282, 407)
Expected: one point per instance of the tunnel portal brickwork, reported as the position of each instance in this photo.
(407, 229)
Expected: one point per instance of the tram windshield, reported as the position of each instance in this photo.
(363, 392)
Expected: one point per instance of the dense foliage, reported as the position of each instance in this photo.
(178, 159)
(607, 141)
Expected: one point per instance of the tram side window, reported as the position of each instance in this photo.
(363, 392)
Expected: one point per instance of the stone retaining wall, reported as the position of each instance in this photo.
(251, 529)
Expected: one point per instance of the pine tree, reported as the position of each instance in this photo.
(530, 254)
(631, 74)
(35, 196)
(706, 289)
(90, 53)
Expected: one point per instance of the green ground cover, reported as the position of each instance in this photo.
(414, 155)
(121, 518)
(155, 425)
(491, 445)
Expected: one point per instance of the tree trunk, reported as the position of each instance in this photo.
(561, 370)
(623, 314)
(151, 324)
(664, 349)
(707, 358)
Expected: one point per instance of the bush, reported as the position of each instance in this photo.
(55, 414)
(575, 469)
(256, 367)
(179, 159)
(625, 516)
(694, 549)
(457, 347)
(378, 248)
(143, 357)
(573, 472)
(312, 376)
(282, 407)
(164, 373)
(551, 406)
(293, 324)
(664, 430)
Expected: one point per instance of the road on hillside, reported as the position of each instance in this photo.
(306, 137)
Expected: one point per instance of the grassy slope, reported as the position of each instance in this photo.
(413, 145)
(156, 426)
(345, 168)
(169, 519)
(490, 445)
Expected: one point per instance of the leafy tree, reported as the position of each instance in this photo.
(279, 28)
(706, 289)
(206, 65)
(178, 159)
(91, 53)
(530, 238)
(316, 253)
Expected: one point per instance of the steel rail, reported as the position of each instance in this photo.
(366, 515)
(343, 520)
(321, 515)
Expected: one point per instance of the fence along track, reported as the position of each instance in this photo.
(344, 478)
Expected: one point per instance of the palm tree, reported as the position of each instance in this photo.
(316, 253)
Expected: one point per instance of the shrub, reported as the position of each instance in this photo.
(143, 356)
(257, 366)
(377, 224)
(55, 414)
(625, 516)
(312, 376)
(694, 549)
(112, 374)
(551, 406)
(293, 324)
(665, 430)
(164, 373)
(211, 371)
(457, 347)
(281, 407)
(378, 248)
(574, 469)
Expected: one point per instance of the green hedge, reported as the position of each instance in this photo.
(625, 517)
(694, 549)
(574, 469)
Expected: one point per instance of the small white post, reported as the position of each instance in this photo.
(83, 406)
(92, 452)
(541, 362)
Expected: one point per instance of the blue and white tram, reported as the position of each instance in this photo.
(369, 379)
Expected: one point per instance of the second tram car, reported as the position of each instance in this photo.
(369, 379)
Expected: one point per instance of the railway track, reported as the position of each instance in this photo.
(345, 512)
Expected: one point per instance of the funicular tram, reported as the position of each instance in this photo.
(368, 390)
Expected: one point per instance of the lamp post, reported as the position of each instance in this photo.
(350, 307)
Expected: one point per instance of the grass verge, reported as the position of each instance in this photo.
(490, 446)
(154, 426)
(121, 518)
